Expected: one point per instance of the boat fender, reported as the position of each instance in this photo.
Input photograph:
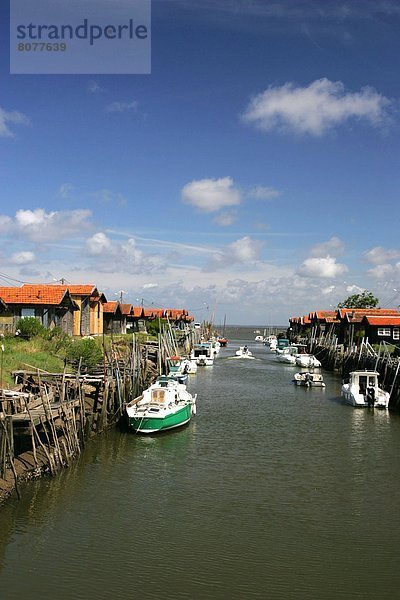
(193, 408)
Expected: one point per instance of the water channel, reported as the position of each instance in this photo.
(271, 492)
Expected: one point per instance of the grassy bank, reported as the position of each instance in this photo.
(52, 350)
(25, 354)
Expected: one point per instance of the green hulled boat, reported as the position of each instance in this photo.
(166, 404)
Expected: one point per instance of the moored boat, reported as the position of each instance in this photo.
(363, 389)
(178, 368)
(166, 404)
(309, 379)
(307, 361)
(202, 354)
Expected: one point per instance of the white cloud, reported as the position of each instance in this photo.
(261, 192)
(379, 255)
(150, 286)
(334, 246)
(39, 226)
(243, 250)
(98, 243)
(5, 224)
(385, 271)
(22, 258)
(112, 256)
(14, 118)
(210, 195)
(327, 290)
(225, 219)
(314, 109)
(321, 267)
(354, 289)
(121, 107)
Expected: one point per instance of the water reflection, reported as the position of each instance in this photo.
(267, 475)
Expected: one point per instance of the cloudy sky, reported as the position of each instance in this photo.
(255, 173)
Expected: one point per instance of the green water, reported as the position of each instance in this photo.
(272, 491)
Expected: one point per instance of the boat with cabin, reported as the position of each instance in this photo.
(178, 368)
(202, 354)
(166, 404)
(362, 389)
(308, 361)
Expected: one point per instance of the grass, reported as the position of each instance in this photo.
(47, 354)
(25, 354)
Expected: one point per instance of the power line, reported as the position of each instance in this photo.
(8, 278)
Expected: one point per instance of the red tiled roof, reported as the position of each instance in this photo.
(110, 307)
(45, 294)
(322, 314)
(137, 312)
(148, 312)
(355, 315)
(382, 320)
(367, 311)
(326, 316)
(83, 290)
(306, 320)
(126, 309)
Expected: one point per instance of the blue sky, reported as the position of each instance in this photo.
(255, 173)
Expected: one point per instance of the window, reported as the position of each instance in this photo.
(384, 331)
(396, 333)
(27, 312)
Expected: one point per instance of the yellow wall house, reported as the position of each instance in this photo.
(88, 320)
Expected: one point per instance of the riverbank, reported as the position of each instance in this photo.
(47, 417)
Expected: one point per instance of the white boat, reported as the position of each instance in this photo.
(243, 352)
(288, 357)
(309, 379)
(166, 404)
(362, 389)
(307, 360)
(259, 338)
(267, 340)
(192, 367)
(273, 345)
(203, 355)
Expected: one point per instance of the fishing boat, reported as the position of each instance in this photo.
(192, 367)
(362, 389)
(203, 355)
(309, 379)
(178, 368)
(166, 404)
(243, 352)
(307, 361)
(288, 355)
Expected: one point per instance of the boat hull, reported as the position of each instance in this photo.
(152, 424)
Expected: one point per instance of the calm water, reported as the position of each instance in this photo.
(271, 492)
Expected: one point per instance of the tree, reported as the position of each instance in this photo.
(364, 300)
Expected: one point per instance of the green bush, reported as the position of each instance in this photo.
(29, 327)
(89, 350)
(58, 340)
